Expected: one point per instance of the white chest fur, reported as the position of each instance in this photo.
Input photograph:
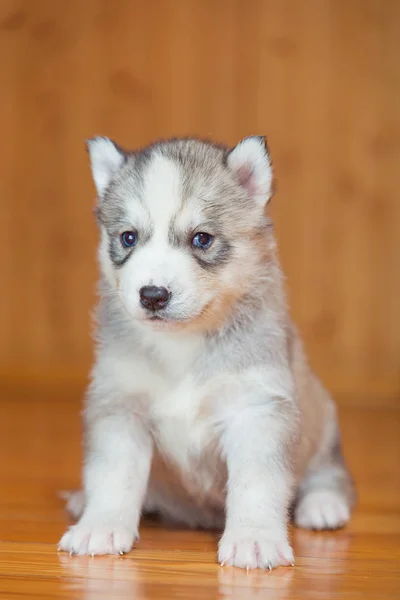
(165, 390)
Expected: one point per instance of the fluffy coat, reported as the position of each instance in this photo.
(202, 408)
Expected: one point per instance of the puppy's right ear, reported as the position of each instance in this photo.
(106, 160)
(251, 165)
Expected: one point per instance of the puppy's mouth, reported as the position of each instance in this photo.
(169, 317)
(162, 321)
(157, 319)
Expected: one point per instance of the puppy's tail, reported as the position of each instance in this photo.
(75, 502)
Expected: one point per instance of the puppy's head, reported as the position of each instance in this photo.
(184, 233)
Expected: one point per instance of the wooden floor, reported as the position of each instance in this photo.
(40, 455)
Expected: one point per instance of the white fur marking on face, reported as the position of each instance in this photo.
(106, 160)
(251, 164)
(158, 262)
(162, 193)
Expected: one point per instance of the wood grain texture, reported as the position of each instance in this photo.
(40, 455)
(320, 77)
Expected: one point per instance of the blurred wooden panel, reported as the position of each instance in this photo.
(321, 78)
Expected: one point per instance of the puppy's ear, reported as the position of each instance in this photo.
(106, 160)
(251, 165)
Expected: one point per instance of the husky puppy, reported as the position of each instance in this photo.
(202, 407)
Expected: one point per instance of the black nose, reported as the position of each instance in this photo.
(153, 297)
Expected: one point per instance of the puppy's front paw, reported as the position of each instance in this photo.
(104, 537)
(254, 548)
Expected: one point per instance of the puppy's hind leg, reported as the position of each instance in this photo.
(326, 495)
(75, 503)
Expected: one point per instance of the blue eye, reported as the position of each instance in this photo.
(202, 240)
(129, 239)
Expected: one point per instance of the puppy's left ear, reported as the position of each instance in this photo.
(106, 159)
(251, 165)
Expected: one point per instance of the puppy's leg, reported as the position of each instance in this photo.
(118, 456)
(260, 486)
(327, 494)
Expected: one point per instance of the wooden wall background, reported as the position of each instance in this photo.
(320, 77)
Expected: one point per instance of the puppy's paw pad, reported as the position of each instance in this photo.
(254, 550)
(323, 509)
(96, 540)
